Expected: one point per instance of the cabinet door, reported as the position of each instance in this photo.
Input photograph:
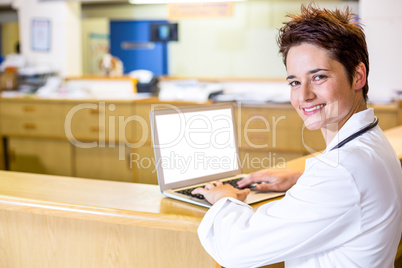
(104, 163)
(276, 129)
(387, 118)
(32, 118)
(100, 122)
(142, 161)
(2, 161)
(40, 156)
(130, 41)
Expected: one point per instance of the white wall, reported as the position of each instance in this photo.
(383, 24)
(64, 55)
(91, 52)
(243, 45)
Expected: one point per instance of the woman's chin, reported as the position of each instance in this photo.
(313, 126)
(313, 122)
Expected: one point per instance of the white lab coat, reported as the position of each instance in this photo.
(344, 211)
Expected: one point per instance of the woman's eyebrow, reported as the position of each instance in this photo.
(317, 70)
(308, 73)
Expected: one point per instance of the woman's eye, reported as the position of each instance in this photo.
(294, 83)
(319, 77)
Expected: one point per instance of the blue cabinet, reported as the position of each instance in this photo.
(130, 42)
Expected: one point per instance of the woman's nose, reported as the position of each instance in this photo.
(306, 92)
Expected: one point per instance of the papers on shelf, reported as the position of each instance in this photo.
(253, 98)
(255, 92)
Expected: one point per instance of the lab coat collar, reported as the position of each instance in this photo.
(355, 123)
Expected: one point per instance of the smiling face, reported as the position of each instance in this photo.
(320, 90)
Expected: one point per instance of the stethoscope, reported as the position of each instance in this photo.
(357, 134)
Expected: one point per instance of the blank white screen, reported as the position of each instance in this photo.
(196, 144)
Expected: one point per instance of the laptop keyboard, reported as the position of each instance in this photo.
(200, 196)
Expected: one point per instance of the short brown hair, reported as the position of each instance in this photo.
(337, 31)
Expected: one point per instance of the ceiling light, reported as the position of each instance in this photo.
(176, 1)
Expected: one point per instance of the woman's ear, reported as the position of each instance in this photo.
(360, 76)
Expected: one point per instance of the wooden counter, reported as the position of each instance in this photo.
(52, 221)
(55, 221)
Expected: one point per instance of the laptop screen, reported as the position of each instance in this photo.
(195, 144)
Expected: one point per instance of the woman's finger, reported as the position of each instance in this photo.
(209, 186)
(198, 190)
(242, 194)
(266, 187)
(217, 183)
(254, 177)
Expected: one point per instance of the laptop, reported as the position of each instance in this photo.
(196, 145)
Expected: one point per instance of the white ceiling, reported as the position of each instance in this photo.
(9, 2)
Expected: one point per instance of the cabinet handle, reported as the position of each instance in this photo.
(29, 126)
(92, 111)
(28, 109)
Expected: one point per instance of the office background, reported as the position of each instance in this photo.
(242, 45)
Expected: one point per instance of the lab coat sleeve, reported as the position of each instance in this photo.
(319, 213)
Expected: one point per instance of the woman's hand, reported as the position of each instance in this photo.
(271, 180)
(215, 191)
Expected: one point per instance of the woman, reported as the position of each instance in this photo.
(345, 209)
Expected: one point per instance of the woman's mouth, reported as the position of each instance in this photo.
(313, 109)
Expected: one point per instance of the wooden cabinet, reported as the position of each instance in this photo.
(33, 132)
(2, 155)
(277, 128)
(111, 140)
(142, 161)
(100, 121)
(101, 134)
(89, 139)
(32, 119)
(387, 115)
(45, 156)
(107, 163)
(270, 136)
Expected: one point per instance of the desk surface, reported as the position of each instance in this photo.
(127, 224)
(108, 201)
(118, 202)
